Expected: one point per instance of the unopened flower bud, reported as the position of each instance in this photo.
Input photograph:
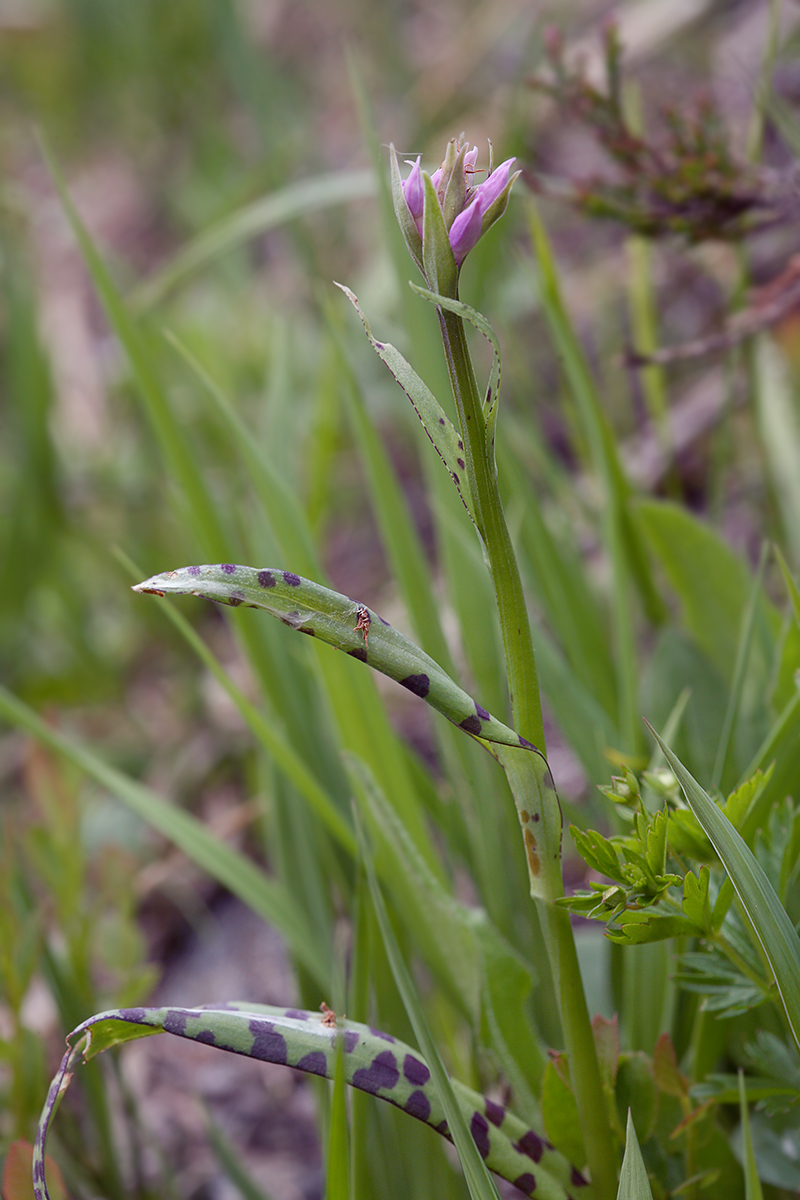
(467, 210)
(415, 197)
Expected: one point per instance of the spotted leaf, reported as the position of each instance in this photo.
(374, 1062)
(438, 426)
(341, 622)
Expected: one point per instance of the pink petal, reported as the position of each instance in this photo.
(465, 231)
(413, 191)
(487, 193)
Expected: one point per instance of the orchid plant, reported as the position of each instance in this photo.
(653, 894)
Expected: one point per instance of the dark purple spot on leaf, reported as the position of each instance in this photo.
(456, 480)
(360, 653)
(482, 713)
(350, 1040)
(175, 1022)
(307, 629)
(479, 1129)
(441, 420)
(495, 1113)
(134, 1015)
(577, 1179)
(266, 579)
(526, 1183)
(416, 1072)
(420, 685)
(378, 1033)
(382, 620)
(296, 1014)
(536, 817)
(268, 1044)
(443, 1129)
(382, 1073)
(193, 570)
(315, 1063)
(292, 580)
(207, 1037)
(460, 444)
(38, 1169)
(461, 463)
(228, 568)
(379, 346)
(418, 1105)
(470, 724)
(526, 745)
(531, 1144)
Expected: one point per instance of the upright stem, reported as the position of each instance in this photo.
(528, 776)
(516, 631)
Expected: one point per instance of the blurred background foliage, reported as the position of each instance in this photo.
(170, 121)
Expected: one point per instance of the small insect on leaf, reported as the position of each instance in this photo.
(364, 622)
(329, 1017)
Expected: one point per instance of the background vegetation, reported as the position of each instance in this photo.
(224, 156)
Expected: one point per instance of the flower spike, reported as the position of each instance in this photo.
(466, 210)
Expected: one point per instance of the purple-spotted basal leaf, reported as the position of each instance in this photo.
(374, 1062)
(339, 621)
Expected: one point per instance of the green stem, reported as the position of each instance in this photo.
(523, 679)
(539, 811)
(581, 1050)
(529, 778)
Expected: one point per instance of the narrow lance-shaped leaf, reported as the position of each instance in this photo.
(769, 918)
(633, 1181)
(313, 609)
(490, 405)
(373, 1062)
(438, 426)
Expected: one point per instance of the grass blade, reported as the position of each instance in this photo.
(134, 341)
(479, 1182)
(633, 1181)
(752, 1184)
(739, 673)
(235, 872)
(254, 219)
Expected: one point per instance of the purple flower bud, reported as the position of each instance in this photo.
(488, 191)
(466, 230)
(468, 225)
(413, 192)
(469, 209)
